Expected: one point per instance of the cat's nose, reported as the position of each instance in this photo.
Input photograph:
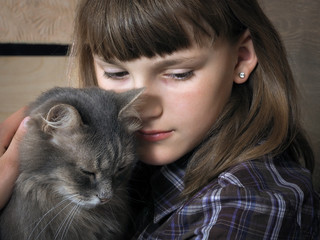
(104, 200)
(104, 196)
(104, 192)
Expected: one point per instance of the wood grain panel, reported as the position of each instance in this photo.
(298, 22)
(22, 79)
(37, 21)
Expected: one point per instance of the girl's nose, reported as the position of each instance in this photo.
(151, 107)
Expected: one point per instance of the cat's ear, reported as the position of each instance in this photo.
(61, 117)
(130, 102)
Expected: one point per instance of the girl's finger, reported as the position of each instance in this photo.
(9, 127)
(9, 164)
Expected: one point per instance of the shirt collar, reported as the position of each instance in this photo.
(167, 184)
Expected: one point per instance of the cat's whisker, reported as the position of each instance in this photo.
(111, 210)
(117, 197)
(53, 208)
(63, 223)
(51, 221)
(72, 216)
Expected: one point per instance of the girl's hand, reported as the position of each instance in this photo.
(11, 133)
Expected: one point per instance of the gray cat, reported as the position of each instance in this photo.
(75, 161)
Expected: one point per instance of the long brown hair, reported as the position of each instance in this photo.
(262, 115)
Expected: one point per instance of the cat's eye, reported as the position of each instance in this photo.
(121, 169)
(88, 173)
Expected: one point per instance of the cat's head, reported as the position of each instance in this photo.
(86, 153)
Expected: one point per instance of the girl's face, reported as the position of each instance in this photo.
(185, 93)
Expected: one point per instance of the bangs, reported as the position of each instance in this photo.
(130, 29)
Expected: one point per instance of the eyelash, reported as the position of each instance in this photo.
(116, 75)
(176, 76)
(180, 76)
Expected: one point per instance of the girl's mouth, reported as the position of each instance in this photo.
(154, 135)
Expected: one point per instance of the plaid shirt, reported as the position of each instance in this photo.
(259, 199)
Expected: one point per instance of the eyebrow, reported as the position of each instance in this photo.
(102, 60)
(172, 62)
(159, 64)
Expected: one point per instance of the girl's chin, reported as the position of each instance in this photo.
(163, 152)
(150, 159)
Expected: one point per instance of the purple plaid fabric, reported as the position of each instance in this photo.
(259, 199)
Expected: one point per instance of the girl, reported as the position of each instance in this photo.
(221, 142)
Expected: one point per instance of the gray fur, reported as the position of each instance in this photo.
(79, 148)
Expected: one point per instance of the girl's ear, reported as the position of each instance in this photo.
(247, 58)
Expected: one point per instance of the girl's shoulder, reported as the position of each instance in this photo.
(274, 179)
(269, 197)
(269, 174)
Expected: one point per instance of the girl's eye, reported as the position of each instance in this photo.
(116, 75)
(180, 76)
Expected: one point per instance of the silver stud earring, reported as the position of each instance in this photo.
(242, 75)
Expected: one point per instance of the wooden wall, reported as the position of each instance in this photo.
(298, 22)
(50, 21)
(36, 21)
